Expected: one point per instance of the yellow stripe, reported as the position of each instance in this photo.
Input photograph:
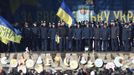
(64, 16)
(8, 35)
(5, 41)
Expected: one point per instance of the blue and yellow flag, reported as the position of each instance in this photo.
(65, 14)
(8, 32)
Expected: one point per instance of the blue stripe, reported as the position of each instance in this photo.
(8, 25)
(67, 10)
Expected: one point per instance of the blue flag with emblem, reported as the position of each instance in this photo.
(65, 14)
(8, 32)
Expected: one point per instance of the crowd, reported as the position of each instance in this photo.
(86, 66)
(91, 71)
(99, 36)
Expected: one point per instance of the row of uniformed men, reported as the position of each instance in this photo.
(95, 36)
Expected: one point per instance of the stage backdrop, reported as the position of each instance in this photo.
(34, 10)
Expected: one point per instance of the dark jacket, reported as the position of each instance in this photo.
(52, 33)
(114, 32)
(36, 32)
(77, 33)
(27, 33)
(105, 33)
(126, 33)
(86, 33)
(44, 32)
(62, 31)
(97, 33)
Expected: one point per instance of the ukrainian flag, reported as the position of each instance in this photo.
(65, 14)
(8, 32)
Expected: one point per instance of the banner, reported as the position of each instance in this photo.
(112, 15)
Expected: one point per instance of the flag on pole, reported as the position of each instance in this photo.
(8, 32)
(65, 14)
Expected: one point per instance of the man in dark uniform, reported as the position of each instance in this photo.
(44, 36)
(97, 37)
(73, 38)
(27, 36)
(69, 39)
(114, 36)
(105, 36)
(36, 37)
(91, 27)
(126, 35)
(77, 37)
(132, 35)
(48, 37)
(120, 25)
(52, 33)
(86, 33)
(62, 34)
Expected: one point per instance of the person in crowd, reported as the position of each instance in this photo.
(105, 36)
(44, 36)
(114, 37)
(2, 72)
(77, 37)
(52, 33)
(126, 36)
(97, 37)
(36, 37)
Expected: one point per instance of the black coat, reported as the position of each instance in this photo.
(86, 33)
(114, 32)
(44, 32)
(126, 33)
(52, 33)
(132, 31)
(27, 33)
(62, 31)
(36, 32)
(78, 33)
(97, 33)
(105, 33)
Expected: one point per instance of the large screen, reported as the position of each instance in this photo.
(82, 14)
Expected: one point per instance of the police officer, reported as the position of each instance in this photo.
(97, 37)
(77, 37)
(36, 37)
(62, 34)
(69, 39)
(126, 35)
(114, 36)
(44, 35)
(73, 36)
(49, 39)
(86, 33)
(105, 36)
(27, 36)
(132, 35)
(52, 33)
(91, 28)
